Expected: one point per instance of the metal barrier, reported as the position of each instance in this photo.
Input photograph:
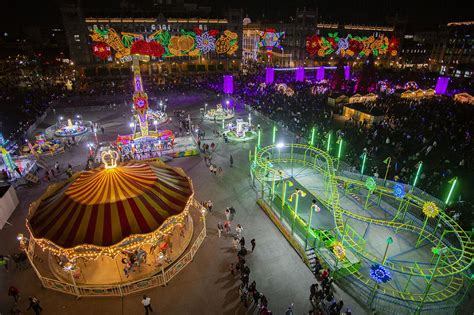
(160, 279)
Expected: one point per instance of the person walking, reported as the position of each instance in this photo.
(147, 304)
(231, 160)
(238, 230)
(4, 261)
(220, 228)
(209, 205)
(227, 214)
(13, 292)
(252, 242)
(242, 242)
(35, 305)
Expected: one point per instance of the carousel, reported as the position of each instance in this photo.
(42, 146)
(70, 129)
(240, 130)
(114, 225)
(219, 113)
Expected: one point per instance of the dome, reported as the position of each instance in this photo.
(109, 206)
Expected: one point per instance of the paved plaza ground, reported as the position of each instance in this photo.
(205, 286)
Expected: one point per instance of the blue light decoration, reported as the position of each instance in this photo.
(270, 38)
(399, 190)
(380, 274)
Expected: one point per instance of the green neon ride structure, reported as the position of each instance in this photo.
(429, 280)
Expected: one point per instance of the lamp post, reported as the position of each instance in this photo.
(155, 122)
(205, 108)
(313, 133)
(298, 192)
(389, 241)
(329, 143)
(274, 134)
(60, 118)
(259, 138)
(250, 120)
(315, 208)
(69, 268)
(453, 184)
(339, 152)
(439, 252)
(364, 158)
(89, 145)
(418, 171)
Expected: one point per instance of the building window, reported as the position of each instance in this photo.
(77, 38)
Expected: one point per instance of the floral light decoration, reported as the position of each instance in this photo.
(339, 250)
(269, 39)
(313, 45)
(430, 209)
(143, 47)
(111, 38)
(206, 41)
(351, 45)
(380, 274)
(399, 190)
(101, 50)
(227, 43)
(370, 184)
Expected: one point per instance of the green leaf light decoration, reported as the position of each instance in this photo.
(370, 184)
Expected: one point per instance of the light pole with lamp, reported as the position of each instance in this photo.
(315, 208)
(298, 192)
(436, 251)
(132, 126)
(69, 268)
(60, 118)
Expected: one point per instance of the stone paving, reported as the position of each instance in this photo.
(205, 286)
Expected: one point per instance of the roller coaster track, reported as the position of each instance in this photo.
(454, 262)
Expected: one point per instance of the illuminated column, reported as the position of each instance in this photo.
(269, 75)
(140, 98)
(320, 73)
(347, 73)
(228, 84)
(300, 74)
(442, 85)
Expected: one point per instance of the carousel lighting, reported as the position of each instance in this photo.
(155, 122)
(20, 237)
(132, 125)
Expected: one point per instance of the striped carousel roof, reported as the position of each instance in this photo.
(104, 206)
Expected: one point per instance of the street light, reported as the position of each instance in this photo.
(315, 208)
(298, 192)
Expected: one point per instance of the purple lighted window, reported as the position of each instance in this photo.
(442, 85)
(320, 73)
(347, 72)
(269, 75)
(228, 84)
(300, 74)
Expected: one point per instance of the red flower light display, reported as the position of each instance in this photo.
(312, 45)
(143, 47)
(101, 50)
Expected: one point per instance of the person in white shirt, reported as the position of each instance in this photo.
(147, 304)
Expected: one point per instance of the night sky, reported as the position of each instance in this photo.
(419, 14)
